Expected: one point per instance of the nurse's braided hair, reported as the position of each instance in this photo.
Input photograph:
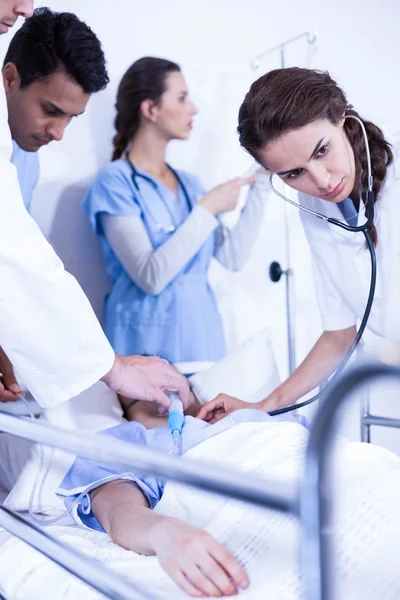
(286, 99)
(144, 80)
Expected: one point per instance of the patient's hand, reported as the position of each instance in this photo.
(220, 407)
(197, 563)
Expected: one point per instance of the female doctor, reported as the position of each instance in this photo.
(297, 123)
(159, 228)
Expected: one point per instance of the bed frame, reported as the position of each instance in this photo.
(310, 503)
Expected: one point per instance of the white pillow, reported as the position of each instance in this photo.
(93, 410)
(249, 372)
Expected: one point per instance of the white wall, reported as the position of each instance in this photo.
(214, 42)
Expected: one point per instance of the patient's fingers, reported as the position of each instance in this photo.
(230, 565)
(203, 583)
(196, 561)
(185, 585)
(218, 573)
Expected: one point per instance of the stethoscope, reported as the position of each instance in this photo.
(159, 226)
(369, 203)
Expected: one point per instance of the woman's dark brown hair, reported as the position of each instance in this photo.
(287, 99)
(144, 80)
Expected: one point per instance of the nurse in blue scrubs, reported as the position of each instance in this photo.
(159, 228)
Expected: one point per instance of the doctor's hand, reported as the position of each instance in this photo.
(220, 407)
(9, 388)
(147, 378)
(225, 197)
(195, 561)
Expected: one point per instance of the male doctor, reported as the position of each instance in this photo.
(47, 327)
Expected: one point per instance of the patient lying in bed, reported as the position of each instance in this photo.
(121, 502)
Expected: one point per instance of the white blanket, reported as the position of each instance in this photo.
(367, 526)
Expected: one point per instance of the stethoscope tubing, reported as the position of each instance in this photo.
(136, 175)
(364, 228)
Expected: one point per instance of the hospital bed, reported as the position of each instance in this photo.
(311, 503)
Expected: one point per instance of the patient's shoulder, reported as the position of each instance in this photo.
(131, 431)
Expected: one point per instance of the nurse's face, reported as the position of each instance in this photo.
(316, 159)
(10, 10)
(175, 111)
(40, 112)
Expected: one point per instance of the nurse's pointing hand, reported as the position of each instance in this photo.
(225, 197)
(147, 378)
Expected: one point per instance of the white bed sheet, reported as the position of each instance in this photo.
(64, 522)
(4, 536)
(367, 530)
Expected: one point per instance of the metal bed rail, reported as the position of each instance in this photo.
(104, 449)
(86, 569)
(312, 504)
(315, 491)
(368, 419)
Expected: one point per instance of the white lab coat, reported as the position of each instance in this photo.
(342, 265)
(47, 326)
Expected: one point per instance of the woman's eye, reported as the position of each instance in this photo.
(293, 174)
(322, 151)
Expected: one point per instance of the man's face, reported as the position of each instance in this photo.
(40, 112)
(10, 10)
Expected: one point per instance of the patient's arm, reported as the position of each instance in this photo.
(197, 563)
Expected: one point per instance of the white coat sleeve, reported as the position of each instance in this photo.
(47, 326)
(335, 312)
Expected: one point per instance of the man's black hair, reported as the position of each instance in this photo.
(49, 42)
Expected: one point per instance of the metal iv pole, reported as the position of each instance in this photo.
(275, 269)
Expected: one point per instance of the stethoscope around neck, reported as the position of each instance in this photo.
(158, 225)
(364, 228)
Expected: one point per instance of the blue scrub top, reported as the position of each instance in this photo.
(85, 475)
(182, 322)
(28, 170)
